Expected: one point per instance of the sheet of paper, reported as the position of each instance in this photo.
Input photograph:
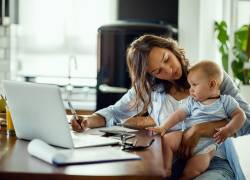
(58, 156)
(42, 150)
(97, 131)
(93, 155)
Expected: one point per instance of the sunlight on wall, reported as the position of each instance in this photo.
(243, 13)
(52, 29)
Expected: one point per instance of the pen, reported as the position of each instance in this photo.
(73, 112)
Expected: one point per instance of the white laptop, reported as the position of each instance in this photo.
(38, 112)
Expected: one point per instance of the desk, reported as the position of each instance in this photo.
(16, 163)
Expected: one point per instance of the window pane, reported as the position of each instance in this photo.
(50, 32)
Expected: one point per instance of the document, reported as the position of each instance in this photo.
(59, 157)
(101, 131)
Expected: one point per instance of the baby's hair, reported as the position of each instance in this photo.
(210, 69)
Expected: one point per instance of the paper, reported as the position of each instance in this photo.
(121, 128)
(42, 150)
(96, 131)
(52, 155)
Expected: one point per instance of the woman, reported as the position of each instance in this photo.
(158, 71)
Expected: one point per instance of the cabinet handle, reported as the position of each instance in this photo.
(104, 88)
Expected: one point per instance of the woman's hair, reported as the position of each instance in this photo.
(137, 61)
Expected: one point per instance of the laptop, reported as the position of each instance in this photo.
(38, 112)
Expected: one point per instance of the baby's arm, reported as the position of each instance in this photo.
(178, 116)
(237, 120)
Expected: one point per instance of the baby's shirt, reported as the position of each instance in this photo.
(197, 112)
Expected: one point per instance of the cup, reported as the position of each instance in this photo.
(10, 127)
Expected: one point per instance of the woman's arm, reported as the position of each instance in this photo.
(87, 121)
(229, 88)
(139, 122)
(121, 110)
(109, 116)
(193, 134)
(236, 122)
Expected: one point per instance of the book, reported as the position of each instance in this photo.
(57, 156)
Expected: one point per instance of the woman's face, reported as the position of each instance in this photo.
(163, 64)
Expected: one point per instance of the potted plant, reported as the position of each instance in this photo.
(240, 64)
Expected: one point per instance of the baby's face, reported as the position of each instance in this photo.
(199, 85)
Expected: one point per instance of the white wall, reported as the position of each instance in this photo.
(196, 33)
(4, 54)
(7, 52)
(188, 23)
(243, 13)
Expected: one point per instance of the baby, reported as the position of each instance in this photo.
(204, 104)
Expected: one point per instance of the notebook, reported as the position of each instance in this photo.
(37, 111)
(59, 157)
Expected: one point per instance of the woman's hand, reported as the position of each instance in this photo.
(79, 125)
(222, 134)
(87, 121)
(192, 135)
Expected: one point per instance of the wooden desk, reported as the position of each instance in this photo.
(16, 163)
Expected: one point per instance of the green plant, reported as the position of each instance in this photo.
(239, 50)
(222, 36)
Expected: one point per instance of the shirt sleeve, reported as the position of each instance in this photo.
(229, 104)
(120, 110)
(187, 105)
(229, 88)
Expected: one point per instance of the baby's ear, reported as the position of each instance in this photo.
(212, 83)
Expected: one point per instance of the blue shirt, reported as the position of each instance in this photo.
(164, 104)
(197, 112)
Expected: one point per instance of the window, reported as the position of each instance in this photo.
(57, 39)
(56, 43)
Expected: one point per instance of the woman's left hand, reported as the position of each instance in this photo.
(222, 134)
(192, 135)
(189, 141)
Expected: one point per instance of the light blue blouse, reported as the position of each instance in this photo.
(163, 105)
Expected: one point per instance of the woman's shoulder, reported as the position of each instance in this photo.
(228, 86)
(226, 79)
(228, 100)
(225, 97)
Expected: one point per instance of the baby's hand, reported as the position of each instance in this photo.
(222, 134)
(158, 130)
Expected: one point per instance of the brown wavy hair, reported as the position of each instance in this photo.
(137, 61)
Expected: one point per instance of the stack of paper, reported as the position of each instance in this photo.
(52, 155)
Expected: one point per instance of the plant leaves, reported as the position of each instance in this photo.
(239, 50)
